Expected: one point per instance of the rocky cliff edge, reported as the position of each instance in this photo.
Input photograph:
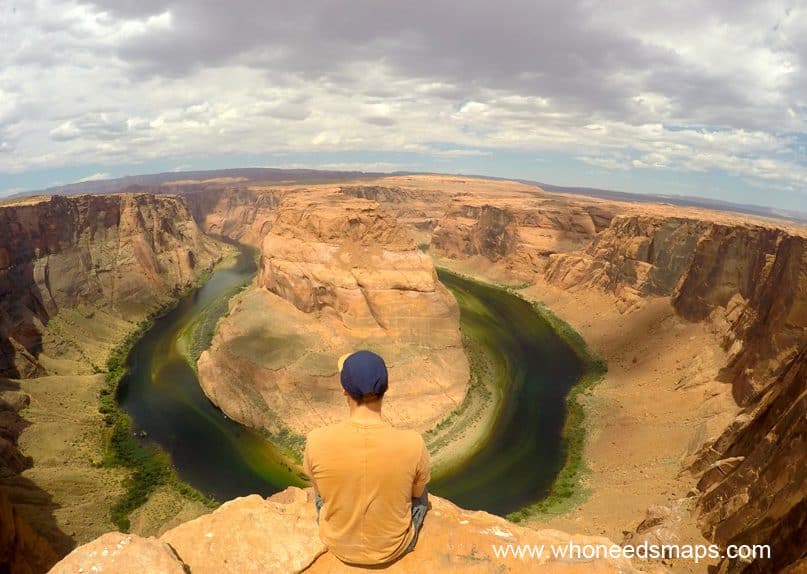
(279, 534)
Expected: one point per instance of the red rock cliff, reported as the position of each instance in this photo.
(122, 253)
(96, 259)
(750, 282)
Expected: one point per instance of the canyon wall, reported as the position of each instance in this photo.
(76, 275)
(342, 268)
(241, 214)
(520, 231)
(748, 281)
(22, 550)
(337, 274)
(417, 209)
(120, 254)
(745, 279)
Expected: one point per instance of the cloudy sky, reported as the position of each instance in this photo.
(692, 98)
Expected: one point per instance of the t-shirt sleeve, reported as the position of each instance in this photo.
(422, 473)
(307, 462)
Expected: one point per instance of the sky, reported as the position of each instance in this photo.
(705, 99)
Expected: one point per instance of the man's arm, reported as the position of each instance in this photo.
(422, 473)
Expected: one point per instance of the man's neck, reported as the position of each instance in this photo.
(365, 415)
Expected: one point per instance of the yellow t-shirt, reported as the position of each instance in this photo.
(366, 475)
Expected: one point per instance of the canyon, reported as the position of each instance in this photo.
(76, 276)
(701, 316)
(336, 274)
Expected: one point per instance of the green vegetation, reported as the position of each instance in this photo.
(566, 489)
(482, 368)
(150, 466)
(197, 336)
(290, 443)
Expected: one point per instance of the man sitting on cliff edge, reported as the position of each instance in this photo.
(370, 479)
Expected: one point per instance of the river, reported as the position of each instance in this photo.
(224, 459)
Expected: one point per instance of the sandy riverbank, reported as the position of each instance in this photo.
(465, 429)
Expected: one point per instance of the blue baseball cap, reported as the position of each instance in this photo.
(363, 372)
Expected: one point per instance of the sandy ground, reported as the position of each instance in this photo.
(657, 404)
(64, 440)
(66, 495)
(164, 510)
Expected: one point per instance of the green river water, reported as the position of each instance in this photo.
(535, 369)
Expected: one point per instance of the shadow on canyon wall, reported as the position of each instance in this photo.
(30, 538)
(22, 316)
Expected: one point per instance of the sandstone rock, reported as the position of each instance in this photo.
(239, 213)
(520, 229)
(748, 280)
(760, 495)
(337, 274)
(660, 527)
(360, 264)
(649, 254)
(122, 253)
(457, 540)
(67, 262)
(280, 535)
(12, 461)
(117, 553)
(415, 208)
(251, 535)
(22, 551)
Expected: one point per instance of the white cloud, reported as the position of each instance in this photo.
(621, 85)
(451, 153)
(95, 177)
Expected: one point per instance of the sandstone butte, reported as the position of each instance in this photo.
(336, 274)
(700, 314)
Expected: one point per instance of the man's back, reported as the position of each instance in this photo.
(366, 474)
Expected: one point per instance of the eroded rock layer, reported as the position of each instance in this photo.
(337, 274)
(242, 214)
(748, 281)
(22, 550)
(521, 230)
(745, 278)
(122, 254)
(342, 268)
(76, 275)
